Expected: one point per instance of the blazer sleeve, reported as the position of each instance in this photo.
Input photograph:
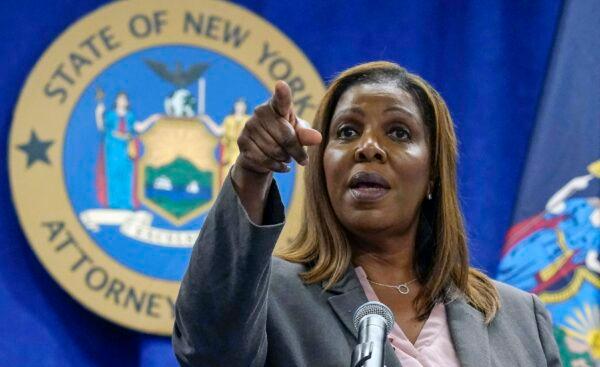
(544, 324)
(221, 309)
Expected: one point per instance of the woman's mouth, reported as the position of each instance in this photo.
(368, 186)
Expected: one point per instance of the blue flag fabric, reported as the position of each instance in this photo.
(553, 247)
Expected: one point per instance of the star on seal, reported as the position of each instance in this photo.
(36, 149)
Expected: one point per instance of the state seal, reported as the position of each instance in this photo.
(122, 137)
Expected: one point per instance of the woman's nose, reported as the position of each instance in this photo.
(369, 150)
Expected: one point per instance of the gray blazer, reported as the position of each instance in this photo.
(239, 306)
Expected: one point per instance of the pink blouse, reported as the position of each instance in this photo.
(434, 344)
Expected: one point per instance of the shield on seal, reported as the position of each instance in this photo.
(178, 172)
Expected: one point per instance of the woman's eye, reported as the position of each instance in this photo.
(346, 132)
(399, 133)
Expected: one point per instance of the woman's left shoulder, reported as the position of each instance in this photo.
(511, 293)
(523, 316)
(517, 302)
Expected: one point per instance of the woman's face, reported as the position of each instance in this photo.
(239, 107)
(122, 101)
(377, 160)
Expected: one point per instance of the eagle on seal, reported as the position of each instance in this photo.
(180, 103)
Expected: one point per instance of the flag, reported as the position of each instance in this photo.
(552, 249)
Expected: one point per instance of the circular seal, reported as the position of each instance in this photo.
(123, 135)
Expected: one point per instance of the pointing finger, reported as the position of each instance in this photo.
(281, 102)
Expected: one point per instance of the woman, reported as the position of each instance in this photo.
(117, 129)
(228, 132)
(381, 222)
(116, 171)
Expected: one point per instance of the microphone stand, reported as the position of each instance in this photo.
(361, 354)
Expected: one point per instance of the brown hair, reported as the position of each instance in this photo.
(441, 255)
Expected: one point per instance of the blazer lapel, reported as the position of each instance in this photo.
(344, 305)
(469, 333)
(347, 296)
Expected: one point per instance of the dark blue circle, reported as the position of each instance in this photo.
(226, 81)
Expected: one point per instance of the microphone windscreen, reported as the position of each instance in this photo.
(374, 308)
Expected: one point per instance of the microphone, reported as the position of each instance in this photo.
(373, 320)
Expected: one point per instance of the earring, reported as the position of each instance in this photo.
(429, 193)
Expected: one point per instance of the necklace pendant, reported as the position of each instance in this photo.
(403, 288)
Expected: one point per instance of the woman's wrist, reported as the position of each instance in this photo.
(252, 188)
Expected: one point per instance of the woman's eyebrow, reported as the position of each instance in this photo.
(401, 109)
(353, 109)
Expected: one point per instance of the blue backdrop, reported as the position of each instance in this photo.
(487, 58)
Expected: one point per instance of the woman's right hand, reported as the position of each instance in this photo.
(274, 135)
(270, 139)
(100, 108)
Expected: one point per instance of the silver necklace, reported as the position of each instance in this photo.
(402, 288)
